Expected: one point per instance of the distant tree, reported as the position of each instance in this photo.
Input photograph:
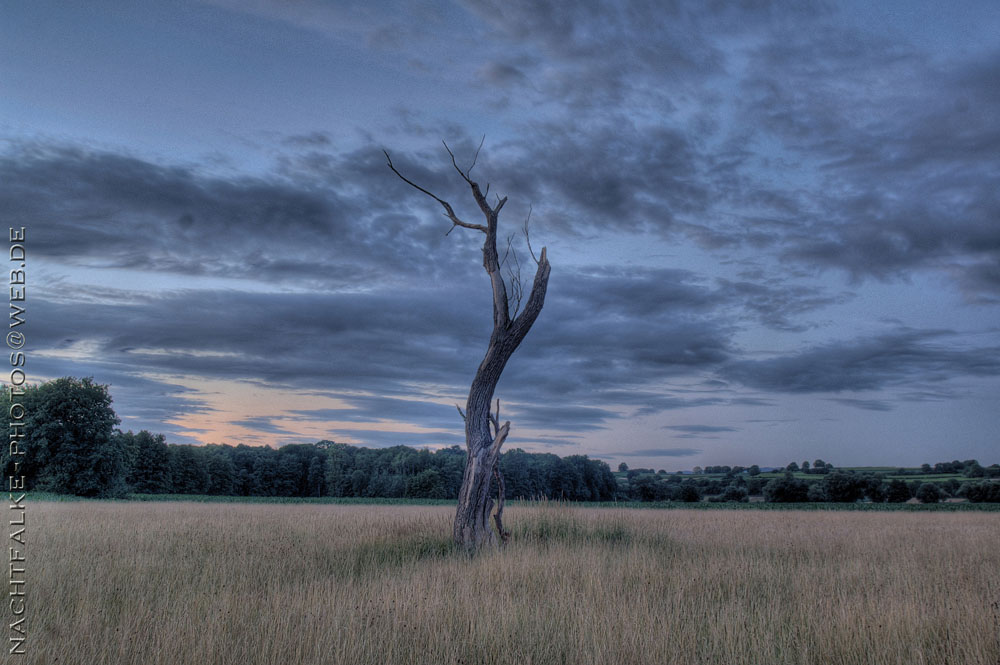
(735, 493)
(974, 470)
(805, 466)
(875, 489)
(149, 471)
(898, 492)
(428, 484)
(817, 493)
(981, 492)
(841, 487)
(793, 467)
(623, 467)
(317, 476)
(929, 493)
(221, 471)
(926, 468)
(648, 488)
(68, 439)
(696, 470)
(754, 470)
(689, 492)
(189, 469)
(786, 489)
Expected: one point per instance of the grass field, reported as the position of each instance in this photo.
(174, 583)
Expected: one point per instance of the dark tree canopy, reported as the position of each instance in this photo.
(68, 440)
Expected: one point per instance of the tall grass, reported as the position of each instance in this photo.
(247, 584)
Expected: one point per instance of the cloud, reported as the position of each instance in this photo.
(898, 171)
(700, 429)
(108, 210)
(901, 358)
(661, 452)
(866, 404)
(310, 140)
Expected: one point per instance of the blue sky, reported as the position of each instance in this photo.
(773, 227)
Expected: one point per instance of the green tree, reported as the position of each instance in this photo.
(316, 476)
(929, 493)
(689, 492)
(221, 471)
(843, 487)
(785, 490)
(735, 493)
(149, 470)
(188, 469)
(898, 491)
(68, 439)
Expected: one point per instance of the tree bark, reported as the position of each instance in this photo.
(472, 529)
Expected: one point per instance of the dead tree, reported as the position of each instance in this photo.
(484, 435)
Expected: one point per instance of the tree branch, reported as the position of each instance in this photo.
(527, 235)
(536, 299)
(449, 212)
(475, 159)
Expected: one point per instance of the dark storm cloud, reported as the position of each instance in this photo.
(851, 151)
(563, 417)
(905, 357)
(610, 175)
(598, 55)
(662, 452)
(596, 350)
(777, 306)
(904, 174)
(100, 208)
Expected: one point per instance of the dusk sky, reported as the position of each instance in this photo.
(774, 228)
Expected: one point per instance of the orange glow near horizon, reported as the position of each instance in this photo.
(221, 404)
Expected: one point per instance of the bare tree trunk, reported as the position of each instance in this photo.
(484, 435)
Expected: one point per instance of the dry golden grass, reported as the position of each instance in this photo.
(248, 584)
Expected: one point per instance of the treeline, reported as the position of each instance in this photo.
(337, 469)
(833, 485)
(69, 444)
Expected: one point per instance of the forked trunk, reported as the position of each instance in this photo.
(472, 528)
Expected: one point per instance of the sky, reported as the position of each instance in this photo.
(774, 227)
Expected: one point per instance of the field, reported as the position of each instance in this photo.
(174, 583)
